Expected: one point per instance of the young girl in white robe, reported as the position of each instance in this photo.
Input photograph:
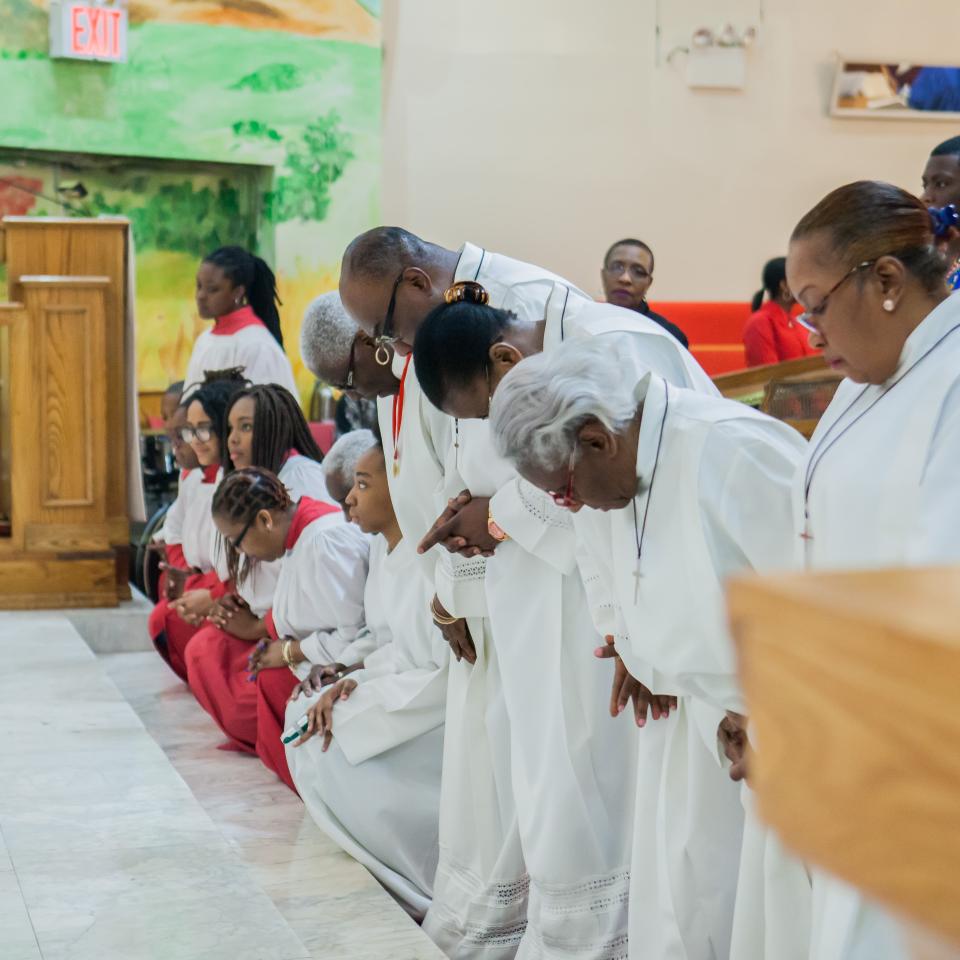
(238, 291)
(371, 776)
(318, 598)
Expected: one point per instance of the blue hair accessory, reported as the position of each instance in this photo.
(943, 219)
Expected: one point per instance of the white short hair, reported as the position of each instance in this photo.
(539, 407)
(340, 463)
(326, 337)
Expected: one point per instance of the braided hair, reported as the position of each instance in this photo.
(215, 395)
(278, 426)
(240, 497)
(245, 269)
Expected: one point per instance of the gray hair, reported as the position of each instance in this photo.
(340, 463)
(326, 337)
(540, 406)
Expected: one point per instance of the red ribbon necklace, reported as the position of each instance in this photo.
(398, 415)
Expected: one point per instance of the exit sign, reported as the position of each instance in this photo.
(88, 31)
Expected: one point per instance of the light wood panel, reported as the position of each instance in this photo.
(81, 247)
(71, 277)
(852, 683)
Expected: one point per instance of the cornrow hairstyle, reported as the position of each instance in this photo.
(278, 426)
(245, 269)
(215, 396)
(239, 498)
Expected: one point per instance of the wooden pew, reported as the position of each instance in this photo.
(797, 391)
(63, 432)
(851, 681)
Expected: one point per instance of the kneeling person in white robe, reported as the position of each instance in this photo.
(368, 766)
(687, 489)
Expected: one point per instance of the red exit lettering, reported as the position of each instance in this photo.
(95, 32)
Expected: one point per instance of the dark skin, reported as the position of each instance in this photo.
(941, 186)
(462, 527)
(216, 295)
(626, 688)
(420, 289)
(370, 379)
(627, 276)
(859, 337)
(372, 510)
(732, 733)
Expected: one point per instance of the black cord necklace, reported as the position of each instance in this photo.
(823, 448)
(640, 530)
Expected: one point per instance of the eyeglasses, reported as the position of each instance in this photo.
(566, 499)
(235, 544)
(348, 383)
(806, 319)
(386, 336)
(201, 434)
(637, 273)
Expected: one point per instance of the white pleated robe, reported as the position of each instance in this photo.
(376, 791)
(882, 471)
(719, 505)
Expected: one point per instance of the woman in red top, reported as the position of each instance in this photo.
(771, 334)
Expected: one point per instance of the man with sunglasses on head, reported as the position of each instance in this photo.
(627, 275)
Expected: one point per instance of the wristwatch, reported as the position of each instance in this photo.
(495, 530)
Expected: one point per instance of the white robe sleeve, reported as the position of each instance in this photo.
(531, 518)
(937, 535)
(172, 532)
(360, 649)
(338, 567)
(745, 479)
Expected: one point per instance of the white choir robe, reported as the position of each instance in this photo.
(376, 791)
(884, 494)
(318, 598)
(580, 786)
(250, 345)
(719, 505)
(302, 477)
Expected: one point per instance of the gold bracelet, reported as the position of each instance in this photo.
(285, 653)
(440, 619)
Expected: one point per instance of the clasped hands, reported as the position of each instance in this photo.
(462, 527)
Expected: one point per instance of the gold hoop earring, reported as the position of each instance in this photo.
(382, 355)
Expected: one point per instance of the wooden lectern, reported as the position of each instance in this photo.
(64, 538)
(852, 684)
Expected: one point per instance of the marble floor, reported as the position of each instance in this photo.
(125, 833)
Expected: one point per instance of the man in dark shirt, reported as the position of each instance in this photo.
(627, 274)
(941, 186)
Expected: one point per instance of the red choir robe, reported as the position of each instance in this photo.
(188, 535)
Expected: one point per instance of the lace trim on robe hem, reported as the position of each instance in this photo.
(544, 511)
(474, 569)
(500, 897)
(585, 919)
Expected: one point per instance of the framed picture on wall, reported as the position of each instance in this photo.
(895, 91)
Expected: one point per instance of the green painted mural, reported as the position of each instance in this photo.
(233, 121)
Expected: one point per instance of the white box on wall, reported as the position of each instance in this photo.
(718, 68)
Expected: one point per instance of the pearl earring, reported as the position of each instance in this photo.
(888, 305)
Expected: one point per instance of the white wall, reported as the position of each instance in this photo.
(546, 128)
